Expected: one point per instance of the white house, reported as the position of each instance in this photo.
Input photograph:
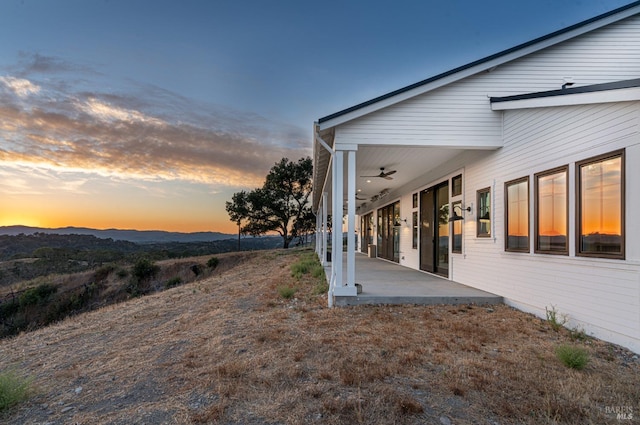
(518, 174)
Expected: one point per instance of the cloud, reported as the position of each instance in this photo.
(110, 113)
(20, 86)
(143, 133)
(35, 63)
(18, 178)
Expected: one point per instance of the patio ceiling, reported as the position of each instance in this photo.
(409, 163)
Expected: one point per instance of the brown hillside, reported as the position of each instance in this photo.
(229, 349)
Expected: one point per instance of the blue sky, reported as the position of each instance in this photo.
(151, 114)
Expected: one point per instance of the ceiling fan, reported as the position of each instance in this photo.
(383, 174)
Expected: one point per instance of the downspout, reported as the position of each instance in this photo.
(332, 280)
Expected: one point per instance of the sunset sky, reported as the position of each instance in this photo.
(139, 114)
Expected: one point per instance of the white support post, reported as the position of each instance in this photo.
(324, 228)
(336, 225)
(342, 288)
(351, 220)
(318, 218)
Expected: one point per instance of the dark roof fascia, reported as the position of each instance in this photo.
(617, 85)
(476, 63)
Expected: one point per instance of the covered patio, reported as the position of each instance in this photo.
(384, 282)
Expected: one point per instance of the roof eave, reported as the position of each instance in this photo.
(621, 91)
(478, 66)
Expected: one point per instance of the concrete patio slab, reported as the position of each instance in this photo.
(384, 282)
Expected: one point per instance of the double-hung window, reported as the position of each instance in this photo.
(551, 211)
(517, 216)
(483, 225)
(600, 206)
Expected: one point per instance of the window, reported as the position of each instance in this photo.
(415, 230)
(456, 230)
(600, 206)
(456, 185)
(415, 200)
(484, 213)
(517, 215)
(551, 211)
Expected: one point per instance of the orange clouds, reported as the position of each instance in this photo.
(86, 133)
(145, 158)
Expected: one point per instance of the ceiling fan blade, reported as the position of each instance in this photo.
(383, 174)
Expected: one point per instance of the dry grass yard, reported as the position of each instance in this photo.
(231, 349)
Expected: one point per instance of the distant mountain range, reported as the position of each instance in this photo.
(137, 236)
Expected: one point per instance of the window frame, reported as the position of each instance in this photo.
(454, 224)
(455, 179)
(507, 184)
(415, 226)
(536, 210)
(600, 158)
(479, 193)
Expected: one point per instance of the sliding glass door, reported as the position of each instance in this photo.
(434, 229)
(389, 232)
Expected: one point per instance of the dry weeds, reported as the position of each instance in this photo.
(230, 350)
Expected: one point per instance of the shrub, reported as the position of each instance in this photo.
(122, 273)
(38, 295)
(578, 334)
(196, 269)
(305, 265)
(103, 272)
(572, 356)
(173, 282)
(321, 288)
(213, 262)
(145, 269)
(8, 308)
(286, 292)
(317, 271)
(555, 319)
(13, 389)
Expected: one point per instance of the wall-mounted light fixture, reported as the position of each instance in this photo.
(455, 216)
(398, 222)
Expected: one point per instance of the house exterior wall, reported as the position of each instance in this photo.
(459, 114)
(600, 295)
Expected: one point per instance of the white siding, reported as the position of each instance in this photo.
(601, 295)
(408, 255)
(459, 114)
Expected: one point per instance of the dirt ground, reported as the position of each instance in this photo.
(231, 350)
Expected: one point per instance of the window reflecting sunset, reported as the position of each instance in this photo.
(552, 211)
(601, 197)
(600, 206)
(518, 215)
